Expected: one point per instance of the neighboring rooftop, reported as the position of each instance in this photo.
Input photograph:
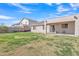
(25, 19)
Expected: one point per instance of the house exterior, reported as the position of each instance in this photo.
(62, 25)
(22, 26)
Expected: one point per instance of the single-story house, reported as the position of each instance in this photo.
(61, 25)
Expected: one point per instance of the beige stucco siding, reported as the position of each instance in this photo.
(77, 27)
(38, 29)
(60, 30)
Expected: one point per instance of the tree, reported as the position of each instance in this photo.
(3, 28)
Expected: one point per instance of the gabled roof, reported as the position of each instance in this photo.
(23, 19)
(27, 19)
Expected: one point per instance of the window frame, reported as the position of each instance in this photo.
(65, 26)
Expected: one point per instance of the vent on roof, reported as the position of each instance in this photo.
(75, 17)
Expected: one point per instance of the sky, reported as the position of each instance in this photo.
(11, 13)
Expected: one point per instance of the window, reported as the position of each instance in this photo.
(43, 27)
(64, 25)
(52, 28)
(34, 27)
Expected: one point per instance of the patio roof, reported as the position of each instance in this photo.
(63, 19)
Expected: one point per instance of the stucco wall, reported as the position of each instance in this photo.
(77, 27)
(60, 30)
(38, 29)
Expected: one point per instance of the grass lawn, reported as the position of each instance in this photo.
(27, 43)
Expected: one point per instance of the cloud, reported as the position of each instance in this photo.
(61, 9)
(49, 16)
(58, 3)
(6, 17)
(19, 6)
(53, 15)
(50, 4)
(74, 5)
(23, 8)
(67, 10)
(27, 12)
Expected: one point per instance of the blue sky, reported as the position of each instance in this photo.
(11, 13)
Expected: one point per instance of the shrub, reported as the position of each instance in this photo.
(3, 29)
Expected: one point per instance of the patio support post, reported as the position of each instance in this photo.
(45, 24)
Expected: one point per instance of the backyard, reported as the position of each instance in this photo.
(35, 44)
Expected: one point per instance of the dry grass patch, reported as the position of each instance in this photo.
(34, 44)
